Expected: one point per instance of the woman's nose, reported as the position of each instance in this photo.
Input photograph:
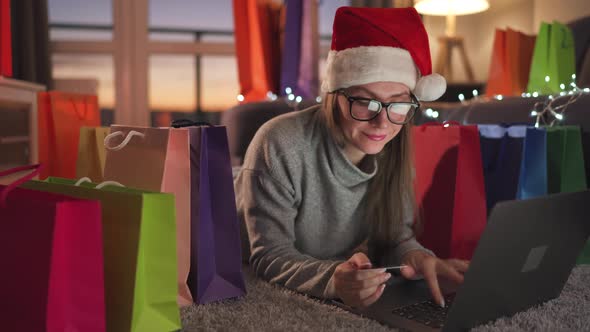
(381, 120)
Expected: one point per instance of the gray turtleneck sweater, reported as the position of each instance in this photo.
(303, 204)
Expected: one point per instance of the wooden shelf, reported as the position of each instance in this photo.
(19, 96)
(14, 139)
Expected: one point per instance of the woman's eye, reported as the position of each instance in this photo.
(400, 109)
(373, 106)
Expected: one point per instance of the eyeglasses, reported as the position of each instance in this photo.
(366, 109)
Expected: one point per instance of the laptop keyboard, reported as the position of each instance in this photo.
(427, 312)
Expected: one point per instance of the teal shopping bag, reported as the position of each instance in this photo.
(565, 167)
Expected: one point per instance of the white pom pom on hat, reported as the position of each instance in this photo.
(430, 87)
(381, 45)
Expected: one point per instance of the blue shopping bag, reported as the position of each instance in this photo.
(533, 168)
(501, 152)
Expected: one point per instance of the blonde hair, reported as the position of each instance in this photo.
(390, 196)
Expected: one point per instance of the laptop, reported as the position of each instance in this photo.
(524, 257)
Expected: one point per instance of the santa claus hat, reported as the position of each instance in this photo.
(381, 45)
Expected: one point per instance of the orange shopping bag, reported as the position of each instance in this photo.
(257, 29)
(510, 64)
(60, 117)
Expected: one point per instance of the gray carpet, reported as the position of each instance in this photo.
(271, 308)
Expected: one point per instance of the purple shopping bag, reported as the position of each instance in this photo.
(216, 258)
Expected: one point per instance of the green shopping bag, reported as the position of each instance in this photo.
(553, 56)
(565, 166)
(139, 240)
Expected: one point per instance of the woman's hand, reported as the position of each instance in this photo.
(420, 262)
(356, 284)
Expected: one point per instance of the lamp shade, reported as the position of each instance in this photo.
(451, 7)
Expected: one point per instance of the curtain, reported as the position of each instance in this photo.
(31, 59)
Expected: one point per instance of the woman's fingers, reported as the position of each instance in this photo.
(360, 261)
(373, 297)
(360, 275)
(459, 265)
(354, 283)
(449, 272)
(430, 274)
(365, 297)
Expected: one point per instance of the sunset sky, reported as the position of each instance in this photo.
(171, 77)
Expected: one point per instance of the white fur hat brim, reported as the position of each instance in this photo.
(368, 64)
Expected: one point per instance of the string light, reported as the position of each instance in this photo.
(318, 99)
(547, 79)
(461, 97)
(288, 90)
(291, 97)
(435, 114)
(499, 97)
(556, 105)
(298, 99)
(475, 92)
(535, 94)
(240, 98)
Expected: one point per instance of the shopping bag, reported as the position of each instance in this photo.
(91, 153)
(299, 67)
(501, 152)
(449, 188)
(553, 57)
(156, 159)
(565, 160)
(5, 39)
(258, 50)
(52, 258)
(139, 254)
(60, 117)
(216, 257)
(167, 160)
(510, 63)
(519, 52)
(498, 76)
(565, 167)
(532, 181)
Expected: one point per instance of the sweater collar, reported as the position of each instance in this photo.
(343, 169)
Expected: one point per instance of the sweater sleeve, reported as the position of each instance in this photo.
(268, 205)
(406, 242)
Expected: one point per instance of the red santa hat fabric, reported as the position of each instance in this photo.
(381, 45)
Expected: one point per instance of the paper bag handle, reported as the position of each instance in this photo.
(99, 186)
(443, 124)
(109, 138)
(36, 170)
(189, 123)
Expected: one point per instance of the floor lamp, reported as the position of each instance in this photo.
(450, 41)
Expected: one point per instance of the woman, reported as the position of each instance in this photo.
(320, 184)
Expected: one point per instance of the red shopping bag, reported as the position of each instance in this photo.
(450, 190)
(51, 251)
(60, 117)
(5, 39)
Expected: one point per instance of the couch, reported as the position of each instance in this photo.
(243, 121)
